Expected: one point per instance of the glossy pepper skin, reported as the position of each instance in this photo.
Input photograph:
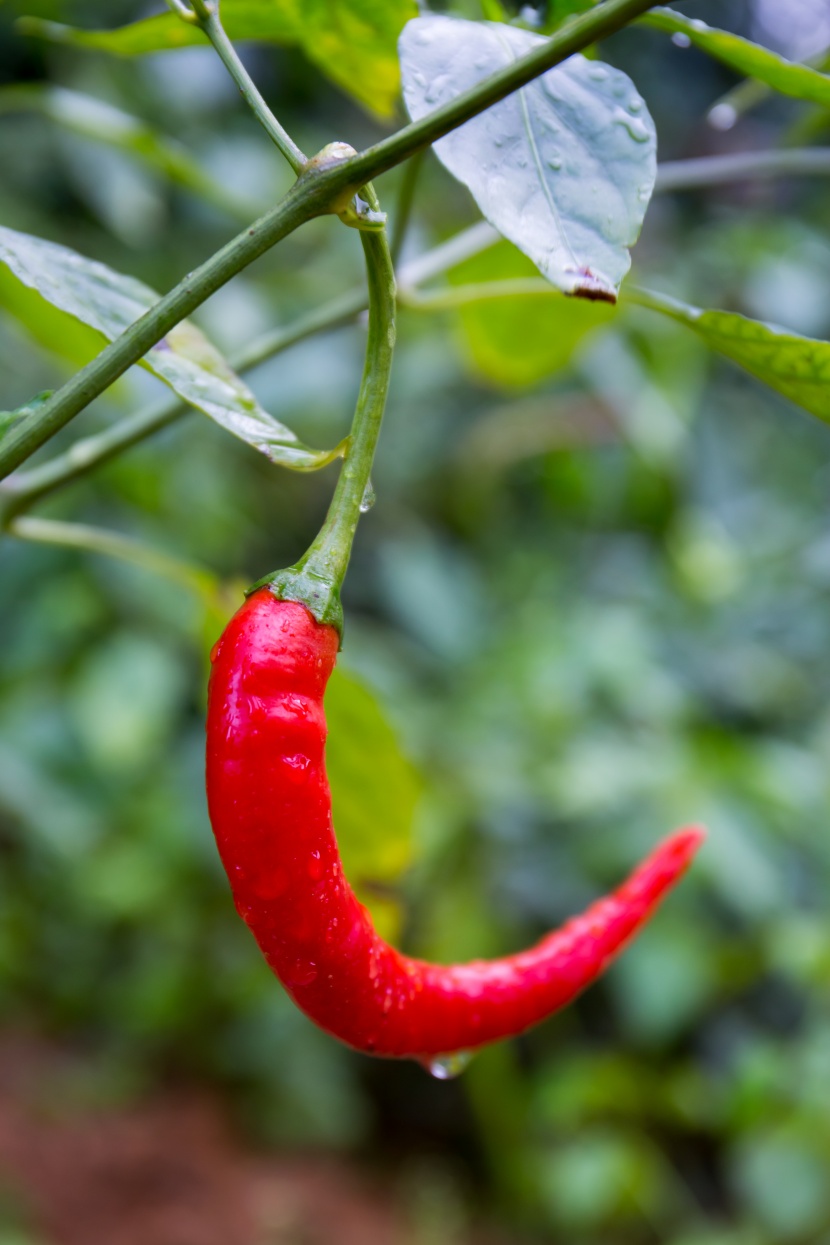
(270, 807)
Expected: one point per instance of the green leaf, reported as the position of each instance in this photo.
(352, 41)
(516, 341)
(745, 57)
(375, 790)
(93, 118)
(558, 12)
(109, 302)
(797, 367)
(54, 329)
(8, 419)
(564, 168)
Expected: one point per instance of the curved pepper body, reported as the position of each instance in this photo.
(270, 807)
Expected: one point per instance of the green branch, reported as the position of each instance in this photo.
(742, 165)
(19, 491)
(206, 17)
(302, 202)
(113, 545)
(317, 578)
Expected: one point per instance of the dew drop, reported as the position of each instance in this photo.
(555, 163)
(635, 104)
(368, 499)
(446, 1067)
(598, 74)
(635, 127)
(681, 40)
(315, 867)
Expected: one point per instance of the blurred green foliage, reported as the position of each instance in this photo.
(581, 613)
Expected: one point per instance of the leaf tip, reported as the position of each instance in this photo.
(586, 284)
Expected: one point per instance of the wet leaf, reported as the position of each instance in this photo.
(745, 57)
(797, 367)
(9, 419)
(564, 168)
(375, 790)
(110, 302)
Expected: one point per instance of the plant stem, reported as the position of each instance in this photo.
(112, 544)
(207, 18)
(740, 165)
(20, 490)
(317, 578)
(403, 208)
(476, 292)
(302, 202)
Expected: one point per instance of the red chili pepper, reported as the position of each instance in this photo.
(271, 812)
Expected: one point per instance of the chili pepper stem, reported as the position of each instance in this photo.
(316, 579)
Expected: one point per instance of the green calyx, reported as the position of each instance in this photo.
(318, 593)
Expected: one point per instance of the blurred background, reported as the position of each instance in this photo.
(590, 605)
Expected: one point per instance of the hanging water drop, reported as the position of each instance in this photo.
(368, 499)
(681, 40)
(446, 1067)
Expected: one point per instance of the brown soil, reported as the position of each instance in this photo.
(167, 1172)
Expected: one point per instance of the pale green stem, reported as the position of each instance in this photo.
(475, 292)
(317, 578)
(742, 165)
(22, 489)
(207, 19)
(112, 544)
(300, 204)
(403, 208)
